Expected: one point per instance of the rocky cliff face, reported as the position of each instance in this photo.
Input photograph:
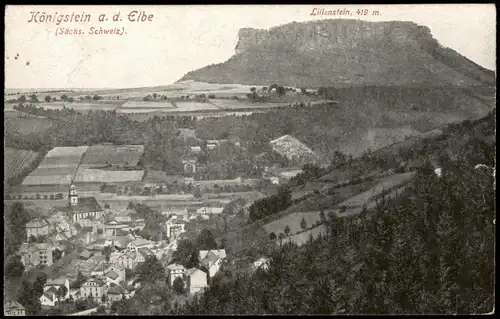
(343, 52)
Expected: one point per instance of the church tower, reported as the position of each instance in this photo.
(72, 197)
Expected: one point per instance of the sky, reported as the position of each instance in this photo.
(182, 38)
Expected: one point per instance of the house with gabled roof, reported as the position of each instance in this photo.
(58, 283)
(119, 270)
(112, 277)
(127, 260)
(142, 254)
(212, 263)
(49, 297)
(219, 252)
(175, 271)
(116, 293)
(139, 243)
(37, 227)
(196, 280)
(93, 287)
(13, 308)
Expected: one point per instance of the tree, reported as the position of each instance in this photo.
(206, 240)
(97, 97)
(281, 236)
(322, 91)
(303, 223)
(287, 230)
(183, 255)
(61, 292)
(151, 270)
(40, 281)
(14, 268)
(272, 236)
(33, 98)
(322, 216)
(102, 309)
(56, 255)
(29, 299)
(22, 99)
(80, 279)
(155, 95)
(48, 98)
(106, 252)
(303, 91)
(281, 91)
(64, 97)
(178, 285)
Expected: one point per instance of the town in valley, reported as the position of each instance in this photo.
(330, 166)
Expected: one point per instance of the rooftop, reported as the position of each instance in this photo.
(85, 254)
(218, 252)
(117, 290)
(191, 271)
(112, 274)
(145, 252)
(36, 223)
(11, 305)
(60, 281)
(85, 205)
(140, 242)
(97, 280)
(175, 266)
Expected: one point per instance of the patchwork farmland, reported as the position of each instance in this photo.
(62, 165)
(16, 160)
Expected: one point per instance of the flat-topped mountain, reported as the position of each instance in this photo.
(344, 52)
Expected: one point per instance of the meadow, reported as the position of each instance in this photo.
(113, 155)
(293, 222)
(87, 175)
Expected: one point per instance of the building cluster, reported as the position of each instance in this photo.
(104, 287)
(195, 279)
(110, 247)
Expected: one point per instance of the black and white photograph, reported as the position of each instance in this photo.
(168, 160)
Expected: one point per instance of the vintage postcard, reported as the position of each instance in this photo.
(249, 159)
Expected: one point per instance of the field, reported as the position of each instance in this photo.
(87, 175)
(35, 125)
(16, 160)
(245, 104)
(62, 164)
(161, 177)
(67, 151)
(293, 222)
(161, 104)
(193, 106)
(386, 184)
(113, 155)
(59, 179)
(302, 238)
(81, 106)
